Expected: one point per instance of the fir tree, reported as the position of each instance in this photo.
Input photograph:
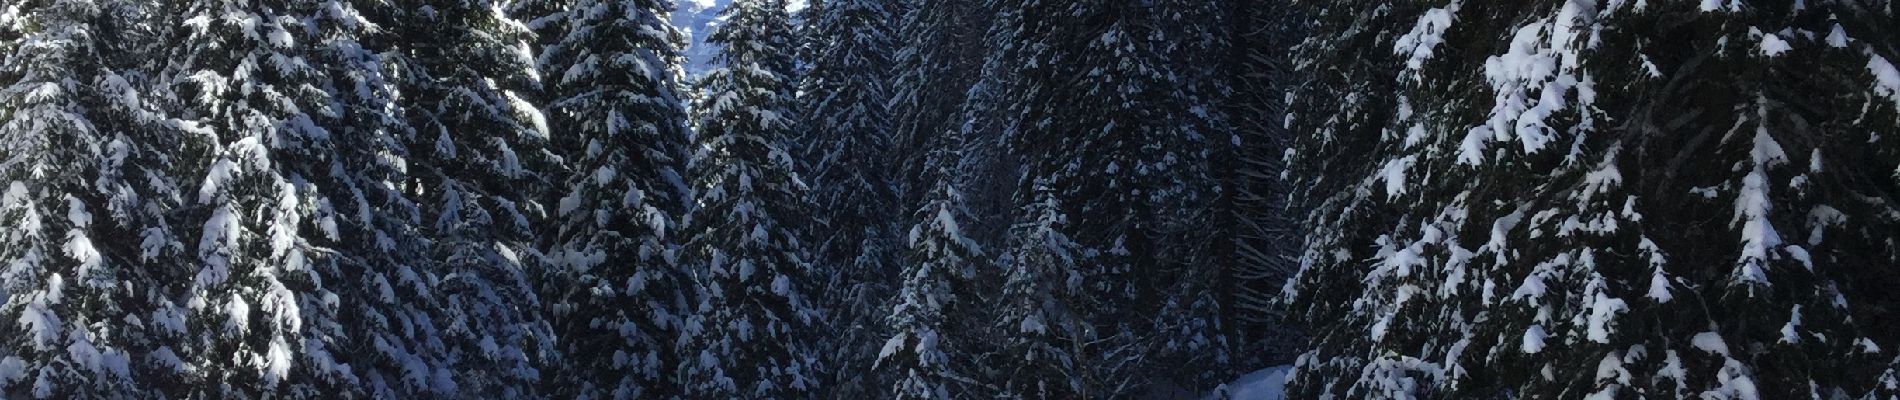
(1650, 197)
(926, 351)
(616, 290)
(82, 165)
(753, 330)
(481, 171)
(1040, 330)
(1126, 151)
(373, 230)
(846, 148)
(259, 311)
(12, 25)
(938, 61)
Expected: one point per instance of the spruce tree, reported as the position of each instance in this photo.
(938, 60)
(260, 312)
(926, 353)
(1197, 335)
(1113, 115)
(83, 171)
(947, 102)
(372, 229)
(753, 331)
(12, 25)
(1039, 328)
(845, 147)
(1653, 202)
(616, 291)
(482, 175)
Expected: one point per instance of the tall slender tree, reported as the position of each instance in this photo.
(1040, 329)
(259, 309)
(1126, 151)
(845, 145)
(753, 332)
(482, 174)
(83, 163)
(616, 289)
(378, 251)
(12, 25)
(926, 352)
(940, 57)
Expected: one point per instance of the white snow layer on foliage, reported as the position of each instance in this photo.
(1886, 77)
(12, 369)
(1886, 82)
(1532, 81)
(1265, 384)
(1752, 205)
(1425, 37)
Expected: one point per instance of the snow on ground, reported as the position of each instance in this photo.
(1266, 384)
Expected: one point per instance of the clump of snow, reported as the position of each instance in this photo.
(1420, 43)
(1735, 383)
(1265, 384)
(1886, 78)
(1710, 342)
(1752, 206)
(1772, 45)
(1531, 82)
(1721, 5)
(892, 345)
(537, 120)
(1394, 175)
(1534, 339)
(12, 369)
(1791, 332)
(1603, 310)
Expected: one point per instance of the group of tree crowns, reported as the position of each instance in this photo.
(1598, 199)
(919, 199)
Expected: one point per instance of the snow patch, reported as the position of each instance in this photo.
(1420, 43)
(12, 369)
(1710, 342)
(1534, 339)
(1886, 78)
(1773, 46)
(1265, 384)
(1394, 176)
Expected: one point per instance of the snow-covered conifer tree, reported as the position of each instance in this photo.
(940, 56)
(1040, 331)
(845, 147)
(1125, 151)
(259, 310)
(616, 290)
(82, 182)
(925, 352)
(753, 331)
(376, 256)
(11, 26)
(482, 174)
(1604, 200)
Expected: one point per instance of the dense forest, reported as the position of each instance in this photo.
(949, 199)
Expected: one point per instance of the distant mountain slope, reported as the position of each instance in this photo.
(697, 18)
